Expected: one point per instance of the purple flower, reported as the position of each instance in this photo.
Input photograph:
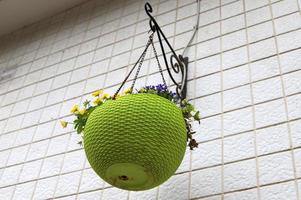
(151, 87)
(161, 88)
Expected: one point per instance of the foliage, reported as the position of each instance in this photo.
(189, 113)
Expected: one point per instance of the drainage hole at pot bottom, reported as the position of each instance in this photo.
(129, 176)
(123, 178)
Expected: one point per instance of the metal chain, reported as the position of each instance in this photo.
(140, 60)
(150, 41)
(158, 62)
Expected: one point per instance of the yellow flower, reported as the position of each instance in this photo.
(97, 101)
(63, 123)
(142, 90)
(82, 111)
(106, 96)
(128, 91)
(74, 109)
(118, 95)
(97, 93)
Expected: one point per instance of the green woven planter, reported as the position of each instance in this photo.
(135, 142)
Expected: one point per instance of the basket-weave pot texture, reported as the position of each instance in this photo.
(135, 142)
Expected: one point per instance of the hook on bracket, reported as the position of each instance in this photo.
(177, 63)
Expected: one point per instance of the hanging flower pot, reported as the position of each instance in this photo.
(135, 142)
(138, 140)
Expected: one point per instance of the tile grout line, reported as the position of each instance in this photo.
(82, 22)
(188, 80)
(49, 105)
(299, 8)
(193, 170)
(191, 66)
(203, 96)
(21, 124)
(164, 13)
(11, 150)
(252, 106)
(202, 142)
(285, 104)
(109, 65)
(196, 198)
(148, 70)
(94, 17)
(43, 108)
(222, 102)
(123, 67)
(128, 63)
(49, 140)
(59, 175)
(193, 101)
(22, 121)
(206, 117)
(241, 190)
(81, 99)
(163, 26)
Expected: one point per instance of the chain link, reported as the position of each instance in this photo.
(140, 62)
(159, 65)
(150, 41)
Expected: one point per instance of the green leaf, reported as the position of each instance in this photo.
(86, 103)
(197, 116)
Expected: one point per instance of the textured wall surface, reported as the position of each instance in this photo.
(244, 77)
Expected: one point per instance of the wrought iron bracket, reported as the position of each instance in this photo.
(177, 63)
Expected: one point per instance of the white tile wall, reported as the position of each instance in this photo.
(244, 77)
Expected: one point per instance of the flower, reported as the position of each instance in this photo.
(97, 101)
(106, 96)
(82, 111)
(97, 93)
(128, 91)
(161, 88)
(142, 90)
(63, 123)
(74, 109)
(119, 95)
(86, 103)
(150, 87)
